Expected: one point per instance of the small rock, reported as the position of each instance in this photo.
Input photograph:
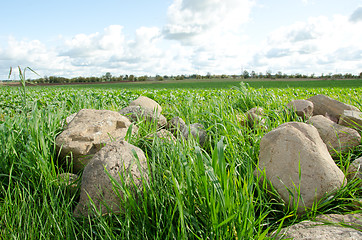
(352, 119)
(355, 170)
(254, 116)
(69, 180)
(146, 103)
(178, 124)
(70, 118)
(198, 132)
(303, 108)
(336, 137)
(294, 148)
(118, 159)
(136, 113)
(163, 134)
(329, 107)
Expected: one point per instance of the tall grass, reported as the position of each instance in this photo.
(195, 192)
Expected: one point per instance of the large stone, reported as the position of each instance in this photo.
(198, 132)
(303, 108)
(88, 132)
(352, 119)
(177, 124)
(101, 180)
(329, 107)
(294, 148)
(146, 103)
(336, 137)
(137, 113)
(327, 227)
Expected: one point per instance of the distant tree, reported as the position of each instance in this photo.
(268, 74)
(131, 78)
(159, 78)
(253, 74)
(246, 74)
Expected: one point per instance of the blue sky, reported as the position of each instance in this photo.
(89, 38)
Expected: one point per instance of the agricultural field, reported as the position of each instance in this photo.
(216, 83)
(196, 192)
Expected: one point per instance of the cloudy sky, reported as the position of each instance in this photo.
(147, 37)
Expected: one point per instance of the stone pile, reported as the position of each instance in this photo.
(95, 140)
(294, 157)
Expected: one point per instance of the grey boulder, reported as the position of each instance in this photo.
(336, 137)
(101, 180)
(88, 132)
(294, 148)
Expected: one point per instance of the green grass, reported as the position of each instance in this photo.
(195, 193)
(223, 84)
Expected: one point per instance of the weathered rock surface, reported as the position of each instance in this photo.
(352, 119)
(117, 158)
(303, 108)
(327, 227)
(178, 124)
(146, 103)
(254, 116)
(355, 169)
(198, 132)
(136, 113)
(336, 137)
(297, 146)
(88, 132)
(329, 107)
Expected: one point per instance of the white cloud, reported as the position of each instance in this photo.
(188, 19)
(356, 15)
(319, 45)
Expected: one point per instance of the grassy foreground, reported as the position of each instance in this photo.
(195, 193)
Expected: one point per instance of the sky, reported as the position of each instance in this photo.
(73, 38)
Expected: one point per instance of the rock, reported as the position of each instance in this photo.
(293, 145)
(355, 170)
(336, 137)
(163, 134)
(70, 118)
(328, 227)
(328, 107)
(254, 116)
(118, 159)
(352, 119)
(136, 113)
(178, 124)
(146, 103)
(198, 132)
(88, 132)
(69, 180)
(303, 108)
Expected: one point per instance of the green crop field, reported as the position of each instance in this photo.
(195, 193)
(223, 84)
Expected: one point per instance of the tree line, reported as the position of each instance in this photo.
(132, 78)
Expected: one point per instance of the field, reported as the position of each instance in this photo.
(195, 193)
